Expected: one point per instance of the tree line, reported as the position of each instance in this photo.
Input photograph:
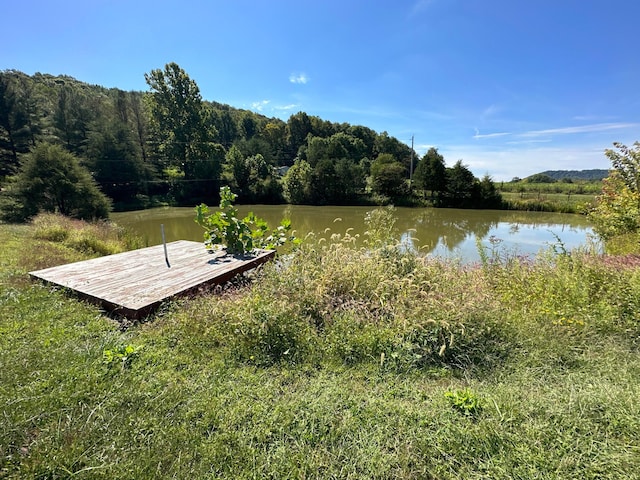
(131, 149)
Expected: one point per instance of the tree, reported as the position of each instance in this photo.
(225, 126)
(351, 179)
(139, 120)
(17, 112)
(388, 176)
(626, 162)
(248, 125)
(298, 127)
(324, 185)
(238, 169)
(431, 173)
(114, 161)
(462, 185)
(489, 196)
(52, 180)
(540, 178)
(177, 116)
(179, 122)
(72, 116)
(296, 183)
(617, 210)
(391, 145)
(274, 134)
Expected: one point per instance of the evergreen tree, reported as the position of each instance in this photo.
(462, 186)
(52, 180)
(17, 116)
(431, 173)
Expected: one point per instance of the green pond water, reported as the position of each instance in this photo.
(440, 232)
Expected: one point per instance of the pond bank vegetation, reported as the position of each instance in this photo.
(340, 362)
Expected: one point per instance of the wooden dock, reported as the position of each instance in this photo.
(134, 283)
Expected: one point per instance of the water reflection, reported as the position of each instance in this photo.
(441, 232)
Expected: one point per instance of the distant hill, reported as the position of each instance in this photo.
(594, 174)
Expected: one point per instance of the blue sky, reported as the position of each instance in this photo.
(511, 87)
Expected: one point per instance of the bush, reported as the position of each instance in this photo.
(617, 210)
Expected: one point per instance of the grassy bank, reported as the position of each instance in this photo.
(338, 363)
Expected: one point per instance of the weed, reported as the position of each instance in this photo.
(122, 355)
(465, 401)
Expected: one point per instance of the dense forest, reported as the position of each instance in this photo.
(167, 145)
(550, 176)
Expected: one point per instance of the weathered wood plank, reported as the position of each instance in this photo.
(134, 283)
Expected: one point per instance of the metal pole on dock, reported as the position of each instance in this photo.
(164, 243)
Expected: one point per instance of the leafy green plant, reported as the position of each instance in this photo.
(224, 230)
(121, 354)
(465, 401)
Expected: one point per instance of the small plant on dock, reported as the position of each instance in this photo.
(224, 230)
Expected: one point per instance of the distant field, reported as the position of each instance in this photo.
(548, 202)
(576, 188)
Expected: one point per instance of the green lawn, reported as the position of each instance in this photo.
(338, 363)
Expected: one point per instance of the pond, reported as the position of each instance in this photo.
(450, 233)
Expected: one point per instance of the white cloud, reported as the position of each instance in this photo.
(291, 106)
(259, 106)
(478, 135)
(594, 128)
(299, 78)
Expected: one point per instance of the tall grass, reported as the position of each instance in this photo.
(100, 238)
(335, 362)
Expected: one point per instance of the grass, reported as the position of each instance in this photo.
(339, 362)
(547, 202)
(574, 188)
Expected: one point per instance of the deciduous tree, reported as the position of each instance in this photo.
(388, 176)
(176, 115)
(617, 210)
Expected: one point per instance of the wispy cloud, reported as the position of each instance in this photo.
(503, 164)
(259, 106)
(529, 141)
(291, 106)
(594, 128)
(299, 78)
(478, 135)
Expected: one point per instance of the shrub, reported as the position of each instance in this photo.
(617, 210)
(224, 230)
